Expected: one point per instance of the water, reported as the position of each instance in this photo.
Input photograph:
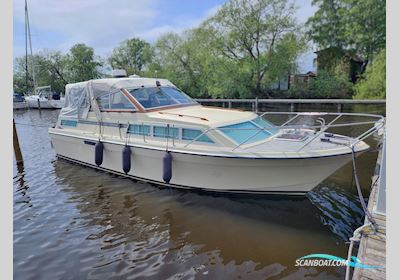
(73, 222)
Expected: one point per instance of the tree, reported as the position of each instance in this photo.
(366, 26)
(327, 25)
(50, 69)
(19, 75)
(240, 52)
(262, 37)
(373, 82)
(132, 55)
(82, 64)
(352, 25)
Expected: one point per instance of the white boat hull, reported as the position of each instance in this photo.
(19, 105)
(213, 173)
(44, 103)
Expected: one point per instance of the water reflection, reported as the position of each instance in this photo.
(21, 185)
(168, 228)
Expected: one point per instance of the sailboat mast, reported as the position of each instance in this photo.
(26, 49)
(28, 36)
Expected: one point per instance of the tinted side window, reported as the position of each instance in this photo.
(162, 131)
(139, 129)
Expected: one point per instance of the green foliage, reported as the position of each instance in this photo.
(56, 69)
(349, 25)
(240, 52)
(261, 38)
(324, 85)
(327, 85)
(132, 55)
(82, 65)
(373, 82)
(50, 69)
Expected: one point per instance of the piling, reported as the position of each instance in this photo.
(17, 149)
(38, 102)
(256, 105)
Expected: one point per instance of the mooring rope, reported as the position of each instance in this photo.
(360, 196)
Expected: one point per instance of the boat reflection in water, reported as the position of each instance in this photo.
(132, 228)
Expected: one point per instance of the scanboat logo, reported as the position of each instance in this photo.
(330, 260)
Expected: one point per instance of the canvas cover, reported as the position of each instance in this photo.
(80, 97)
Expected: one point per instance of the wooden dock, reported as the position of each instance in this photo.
(256, 101)
(372, 248)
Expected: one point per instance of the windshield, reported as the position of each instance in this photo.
(160, 96)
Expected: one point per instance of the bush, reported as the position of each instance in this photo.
(324, 85)
(373, 82)
(327, 85)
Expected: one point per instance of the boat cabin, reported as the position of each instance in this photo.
(156, 110)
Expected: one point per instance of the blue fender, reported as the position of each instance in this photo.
(167, 167)
(98, 153)
(126, 159)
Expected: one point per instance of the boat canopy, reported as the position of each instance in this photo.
(79, 97)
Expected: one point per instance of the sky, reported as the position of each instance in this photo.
(103, 24)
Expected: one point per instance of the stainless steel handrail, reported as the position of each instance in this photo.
(286, 125)
(324, 128)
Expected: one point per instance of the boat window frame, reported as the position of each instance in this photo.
(246, 142)
(164, 107)
(179, 135)
(201, 135)
(110, 110)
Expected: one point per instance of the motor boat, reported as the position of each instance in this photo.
(148, 129)
(44, 98)
(19, 101)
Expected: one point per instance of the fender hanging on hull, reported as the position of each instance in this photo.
(98, 153)
(167, 167)
(126, 159)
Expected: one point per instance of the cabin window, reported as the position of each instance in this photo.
(118, 101)
(104, 102)
(160, 97)
(191, 134)
(162, 131)
(115, 101)
(246, 131)
(69, 123)
(139, 129)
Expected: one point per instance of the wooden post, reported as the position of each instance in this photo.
(17, 149)
(339, 108)
(253, 107)
(38, 103)
(291, 107)
(256, 105)
(230, 104)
